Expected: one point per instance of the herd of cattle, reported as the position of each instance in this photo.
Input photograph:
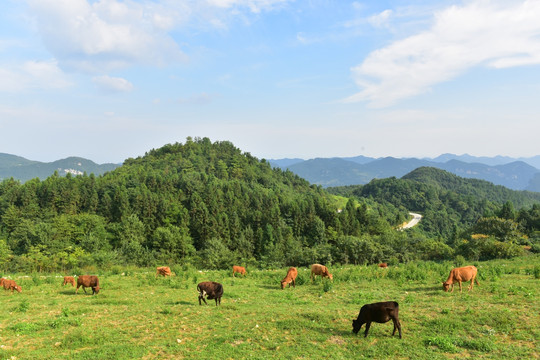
(379, 312)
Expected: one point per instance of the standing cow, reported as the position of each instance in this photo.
(69, 280)
(238, 269)
(210, 289)
(11, 285)
(318, 269)
(380, 312)
(465, 273)
(90, 281)
(290, 278)
(163, 271)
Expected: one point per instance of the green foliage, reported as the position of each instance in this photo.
(211, 205)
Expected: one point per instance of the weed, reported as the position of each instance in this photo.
(23, 306)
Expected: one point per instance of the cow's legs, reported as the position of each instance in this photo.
(368, 324)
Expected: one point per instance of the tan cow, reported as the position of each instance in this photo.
(69, 280)
(163, 271)
(239, 269)
(318, 269)
(11, 285)
(289, 278)
(461, 274)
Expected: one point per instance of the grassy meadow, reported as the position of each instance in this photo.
(138, 316)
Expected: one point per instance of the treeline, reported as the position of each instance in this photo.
(475, 218)
(200, 202)
(211, 205)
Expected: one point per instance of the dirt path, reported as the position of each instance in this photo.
(415, 220)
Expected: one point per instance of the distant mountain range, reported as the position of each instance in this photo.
(513, 173)
(22, 169)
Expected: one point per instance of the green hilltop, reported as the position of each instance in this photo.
(212, 205)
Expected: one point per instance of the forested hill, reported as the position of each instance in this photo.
(478, 188)
(212, 205)
(449, 203)
(201, 202)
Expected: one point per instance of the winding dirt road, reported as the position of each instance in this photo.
(415, 220)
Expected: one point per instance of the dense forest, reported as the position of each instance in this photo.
(211, 205)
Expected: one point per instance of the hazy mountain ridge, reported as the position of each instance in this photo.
(511, 173)
(19, 168)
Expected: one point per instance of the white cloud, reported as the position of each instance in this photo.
(255, 6)
(32, 75)
(380, 20)
(93, 36)
(107, 34)
(112, 84)
(480, 33)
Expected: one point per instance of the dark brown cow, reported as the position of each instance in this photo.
(465, 273)
(318, 269)
(90, 281)
(383, 265)
(211, 289)
(69, 280)
(163, 271)
(11, 285)
(290, 278)
(380, 312)
(239, 269)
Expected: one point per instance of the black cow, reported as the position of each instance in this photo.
(211, 289)
(380, 312)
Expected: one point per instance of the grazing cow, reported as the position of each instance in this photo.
(461, 274)
(238, 269)
(318, 269)
(69, 280)
(383, 265)
(380, 312)
(289, 278)
(211, 289)
(11, 285)
(90, 281)
(163, 271)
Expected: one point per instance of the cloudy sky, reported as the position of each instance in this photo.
(112, 79)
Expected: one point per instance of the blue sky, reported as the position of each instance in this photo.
(111, 79)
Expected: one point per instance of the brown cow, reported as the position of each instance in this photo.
(238, 269)
(211, 289)
(318, 269)
(163, 271)
(383, 265)
(461, 274)
(380, 312)
(69, 280)
(90, 281)
(11, 285)
(289, 278)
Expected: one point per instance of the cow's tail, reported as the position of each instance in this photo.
(219, 289)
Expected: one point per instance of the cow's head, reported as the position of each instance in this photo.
(445, 286)
(96, 289)
(356, 325)
(283, 284)
(18, 288)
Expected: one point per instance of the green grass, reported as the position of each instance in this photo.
(136, 316)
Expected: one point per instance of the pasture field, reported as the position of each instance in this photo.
(138, 316)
